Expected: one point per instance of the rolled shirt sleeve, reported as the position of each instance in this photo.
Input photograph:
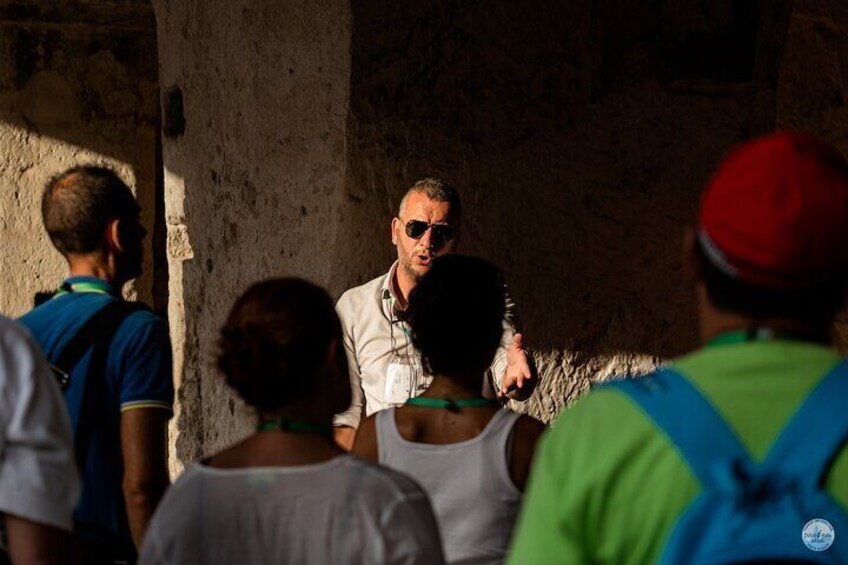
(498, 367)
(38, 475)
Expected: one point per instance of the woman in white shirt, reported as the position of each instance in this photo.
(288, 493)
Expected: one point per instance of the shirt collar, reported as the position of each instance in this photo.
(94, 281)
(388, 295)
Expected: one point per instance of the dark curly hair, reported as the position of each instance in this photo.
(456, 315)
(275, 341)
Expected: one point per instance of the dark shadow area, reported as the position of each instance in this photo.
(86, 74)
(580, 135)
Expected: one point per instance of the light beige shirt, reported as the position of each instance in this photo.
(385, 368)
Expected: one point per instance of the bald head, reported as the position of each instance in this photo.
(78, 205)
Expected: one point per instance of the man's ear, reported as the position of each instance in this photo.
(395, 227)
(692, 262)
(113, 235)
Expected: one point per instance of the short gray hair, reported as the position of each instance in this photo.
(438, 190)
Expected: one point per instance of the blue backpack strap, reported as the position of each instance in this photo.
(812, 438)
(698, 432)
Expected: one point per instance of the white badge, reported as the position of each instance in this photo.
(400, 378)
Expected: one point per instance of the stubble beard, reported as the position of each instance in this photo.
(414, 275)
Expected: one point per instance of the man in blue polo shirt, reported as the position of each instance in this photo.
(92, 218)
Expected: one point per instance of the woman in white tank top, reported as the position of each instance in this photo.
(471, 455)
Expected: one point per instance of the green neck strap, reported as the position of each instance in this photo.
(294, 427)
(425, 402)
(66, 288)
(761, 334)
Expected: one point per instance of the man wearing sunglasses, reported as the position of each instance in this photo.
(385, 369)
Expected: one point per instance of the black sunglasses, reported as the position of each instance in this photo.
(442, 233)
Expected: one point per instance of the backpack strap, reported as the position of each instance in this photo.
(97, 327)
(808, 443)
(688, 419)
(96, 334)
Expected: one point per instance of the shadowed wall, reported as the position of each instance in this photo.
(580, 135)
(78, 84)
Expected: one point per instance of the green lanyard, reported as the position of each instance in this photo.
(99, 288)
(295, 427)
(425, 402)
(759, 334)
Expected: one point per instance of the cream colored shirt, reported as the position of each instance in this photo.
(385, 368)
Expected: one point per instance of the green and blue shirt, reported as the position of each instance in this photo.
(608, 486)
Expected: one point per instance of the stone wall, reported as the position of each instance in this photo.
(255, 107)
(579, 134)
(78, 84)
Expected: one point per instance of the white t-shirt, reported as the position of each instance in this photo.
(344, 510)
(38, 476)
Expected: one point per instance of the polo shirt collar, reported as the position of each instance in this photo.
(94, 281)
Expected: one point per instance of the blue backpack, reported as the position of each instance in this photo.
(747, 512)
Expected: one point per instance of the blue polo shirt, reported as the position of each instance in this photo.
(138, 375)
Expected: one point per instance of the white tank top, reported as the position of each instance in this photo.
(473, 496)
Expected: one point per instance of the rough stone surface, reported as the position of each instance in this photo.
(255, 183)
(72, 91)
(579, 134)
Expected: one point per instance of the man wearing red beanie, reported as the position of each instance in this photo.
(736, 451)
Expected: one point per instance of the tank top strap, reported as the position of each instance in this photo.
(500, 427)
(499, 435)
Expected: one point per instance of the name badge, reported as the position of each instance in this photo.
(400, 383)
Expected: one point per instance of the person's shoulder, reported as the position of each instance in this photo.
(15, 338)
(68, 310)
(12, 330)
(142, 321)
(528, 427)
(192, 475)
(142, 315)
(177, 506)
(358, 294)
(186, 487)
(359, 297)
